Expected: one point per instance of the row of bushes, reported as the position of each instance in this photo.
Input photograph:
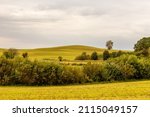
(20, 71)
(85, 56)
(24, 72)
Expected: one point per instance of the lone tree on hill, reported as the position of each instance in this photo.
(109, 44)
(142, 47)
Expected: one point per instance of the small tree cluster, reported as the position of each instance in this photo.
(85, 56)
(10, 53)
(106, 55)
(25, 55)
(60, 58)
(142, 47)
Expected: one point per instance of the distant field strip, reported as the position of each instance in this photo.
(137, 90)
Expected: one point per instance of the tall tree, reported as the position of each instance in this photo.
(109, 44)
(142, 47)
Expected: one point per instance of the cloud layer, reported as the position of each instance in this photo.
(43, 23)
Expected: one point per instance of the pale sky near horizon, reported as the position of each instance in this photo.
(47, 23)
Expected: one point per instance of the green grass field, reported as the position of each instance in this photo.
(67, 52)
(137, 90)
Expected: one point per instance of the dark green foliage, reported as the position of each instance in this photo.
(142, 46)
(128, 67)
(106, 55)
(120, 69)
(60, 58)
(83, 56)
(10, 53)
(94, 72)
(72, 75)
(25, 55)
(24, 72)
(94, 56)
(21, 71)
(117, 54)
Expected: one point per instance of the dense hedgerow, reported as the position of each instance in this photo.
(128, 67)
(25, 72)
(21, 71)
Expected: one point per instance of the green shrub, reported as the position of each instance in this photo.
(106, 55)
(94, 56)
(71, 75)
(21, 71)
(121, 68)
(83, 56)
(10, 53)
(94, 72)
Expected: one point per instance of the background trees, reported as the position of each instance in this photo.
(109, 44)
(10, 53)
(142, 47)
(94, 56)
(106, 55)
(83, 56)
(25, 55)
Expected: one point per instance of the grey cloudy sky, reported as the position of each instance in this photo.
(45, 23)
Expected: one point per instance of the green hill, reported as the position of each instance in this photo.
(67, 52)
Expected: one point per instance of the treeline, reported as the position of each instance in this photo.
(21, 71)
(85, 56)
(106, 55)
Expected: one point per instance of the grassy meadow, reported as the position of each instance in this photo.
(136, 90)
(67, 52)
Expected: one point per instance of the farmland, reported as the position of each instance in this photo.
(119, 90)
(25, 79)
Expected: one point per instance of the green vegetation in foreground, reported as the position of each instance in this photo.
(125, 90)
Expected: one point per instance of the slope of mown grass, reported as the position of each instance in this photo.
(112, 91)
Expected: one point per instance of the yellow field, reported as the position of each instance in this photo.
(124, 90)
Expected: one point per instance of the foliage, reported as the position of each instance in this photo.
(10, 53)
(60, 58)
(109, 44)
(94, 56)
(106, 55)
(83, 56)
(142, 46)
(94, 72)
(21, 71)
(25, 55)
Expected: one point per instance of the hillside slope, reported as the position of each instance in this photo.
(67, 52)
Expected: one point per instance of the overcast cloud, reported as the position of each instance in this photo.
(45, 23)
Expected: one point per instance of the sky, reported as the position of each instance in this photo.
(48, 23)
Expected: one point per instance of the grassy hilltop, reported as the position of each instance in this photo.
(67, 52)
